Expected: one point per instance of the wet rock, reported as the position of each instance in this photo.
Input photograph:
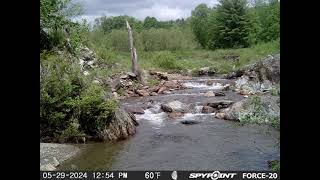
(175, 115)
(219, 94)
(174, 106)
(209, 82)
(208, 109)
(142, 92)
(134, 109)
(226, 87)
(121, 126)
(134, 120)
(189, 122)
(166, 92)
(220, 104)
(209, 94)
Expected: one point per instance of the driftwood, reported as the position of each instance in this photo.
(134, 57)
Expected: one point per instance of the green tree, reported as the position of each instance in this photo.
(199, 23)
(231, 29)
(54, 18)
(150, 22)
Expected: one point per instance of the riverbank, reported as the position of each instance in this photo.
(53, 154)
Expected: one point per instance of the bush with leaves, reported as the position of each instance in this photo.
(67, 96)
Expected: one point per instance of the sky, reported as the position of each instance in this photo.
(161, 9)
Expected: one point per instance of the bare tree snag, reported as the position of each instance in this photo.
(134, 58)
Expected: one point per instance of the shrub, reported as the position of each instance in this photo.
(166, 61)
(67, 96)
(92, 110)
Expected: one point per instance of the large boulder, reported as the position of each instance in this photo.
(174, 106)
(121, 126)
(265, 69)
(258, 109)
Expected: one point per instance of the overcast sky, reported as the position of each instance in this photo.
(161, 9)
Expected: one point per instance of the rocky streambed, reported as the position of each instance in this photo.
(189, 128)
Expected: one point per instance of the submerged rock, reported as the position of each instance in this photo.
(189, 122)
(174, 115)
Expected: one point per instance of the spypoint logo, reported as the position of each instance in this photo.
(214, 176)
(174, 175)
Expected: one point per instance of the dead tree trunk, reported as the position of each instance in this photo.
(134, 58)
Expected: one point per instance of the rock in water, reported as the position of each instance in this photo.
(219, 94)
(175, 115)
(189, 122)
(209, 82)
(121, 126)
(220, 104)
(209, 94)
(208, 109)
(174, 106)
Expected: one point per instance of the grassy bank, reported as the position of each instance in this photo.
(188, 60)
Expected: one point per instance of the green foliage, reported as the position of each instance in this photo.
(167, 39)
(234, 24)
(166, 61)
(66, 95)
(275, 166)
(231, 28)
(259, 114)
(56, 26)
(150, 22)
(71, 133)
(199, 23)
(92, 110)
(60, 82)
(153, 82)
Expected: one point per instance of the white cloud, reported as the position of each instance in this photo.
(160, 9)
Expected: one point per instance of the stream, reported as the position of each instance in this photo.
(166, 144)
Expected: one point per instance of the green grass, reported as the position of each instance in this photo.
(184, 60)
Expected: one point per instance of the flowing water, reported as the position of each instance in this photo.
(162, 143)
